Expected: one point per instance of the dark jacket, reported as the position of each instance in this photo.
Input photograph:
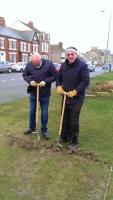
(74, 76)
(45, 73)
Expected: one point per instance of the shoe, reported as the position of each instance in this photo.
(72, 147)
(28, 131)
(59, 142)
(46, 135)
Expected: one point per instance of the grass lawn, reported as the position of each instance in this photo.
(43, 174)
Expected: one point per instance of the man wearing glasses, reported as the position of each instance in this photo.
(73, 79)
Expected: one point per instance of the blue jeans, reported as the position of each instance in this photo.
(44, 104)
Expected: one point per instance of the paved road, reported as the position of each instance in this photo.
(98, 71)
(12, 86)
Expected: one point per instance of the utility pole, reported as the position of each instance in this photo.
(106, 51)
(107, 45)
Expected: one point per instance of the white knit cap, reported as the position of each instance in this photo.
(71, 49)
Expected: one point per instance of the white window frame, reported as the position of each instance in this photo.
(45, 47)
(35, 48)
(23, 46)
(2, 43)
(25, 58)
(10, 55)
(12, 44)
(29, 47)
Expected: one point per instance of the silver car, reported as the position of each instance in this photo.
(5, 66)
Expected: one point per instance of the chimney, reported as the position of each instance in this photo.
(2, 21)
(60, 45)
(30, 24)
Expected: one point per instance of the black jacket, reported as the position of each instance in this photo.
(74, 76)
(45, 73)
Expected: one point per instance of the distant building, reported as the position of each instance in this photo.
(18, 45)
(57, 53)
(97, 56)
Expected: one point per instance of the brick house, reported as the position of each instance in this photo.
(18, 45)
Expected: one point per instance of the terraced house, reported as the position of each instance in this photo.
(17, 45)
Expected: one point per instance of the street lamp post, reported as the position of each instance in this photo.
(107, 45)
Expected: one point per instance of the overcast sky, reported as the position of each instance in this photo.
(78, 23)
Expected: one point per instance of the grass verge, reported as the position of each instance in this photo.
(46, 175)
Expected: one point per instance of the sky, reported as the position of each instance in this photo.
(78, 23)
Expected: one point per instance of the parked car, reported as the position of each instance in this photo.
(5, 66)
(19, 67)
(106, 66)
(57, 66)
(91, 68)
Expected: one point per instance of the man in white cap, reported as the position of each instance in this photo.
(73, 78)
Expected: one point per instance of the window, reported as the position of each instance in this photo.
(44, 47)
(29, 47)
(35, 48)
(42, 36)
(12, 44)
(12, 57)
(23, 46)
(2, 43)
(24, 58)
(47, 37)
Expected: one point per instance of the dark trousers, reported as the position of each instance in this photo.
(44, 104)
(70, 126)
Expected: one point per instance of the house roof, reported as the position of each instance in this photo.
(13, 33)
(33, 28)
